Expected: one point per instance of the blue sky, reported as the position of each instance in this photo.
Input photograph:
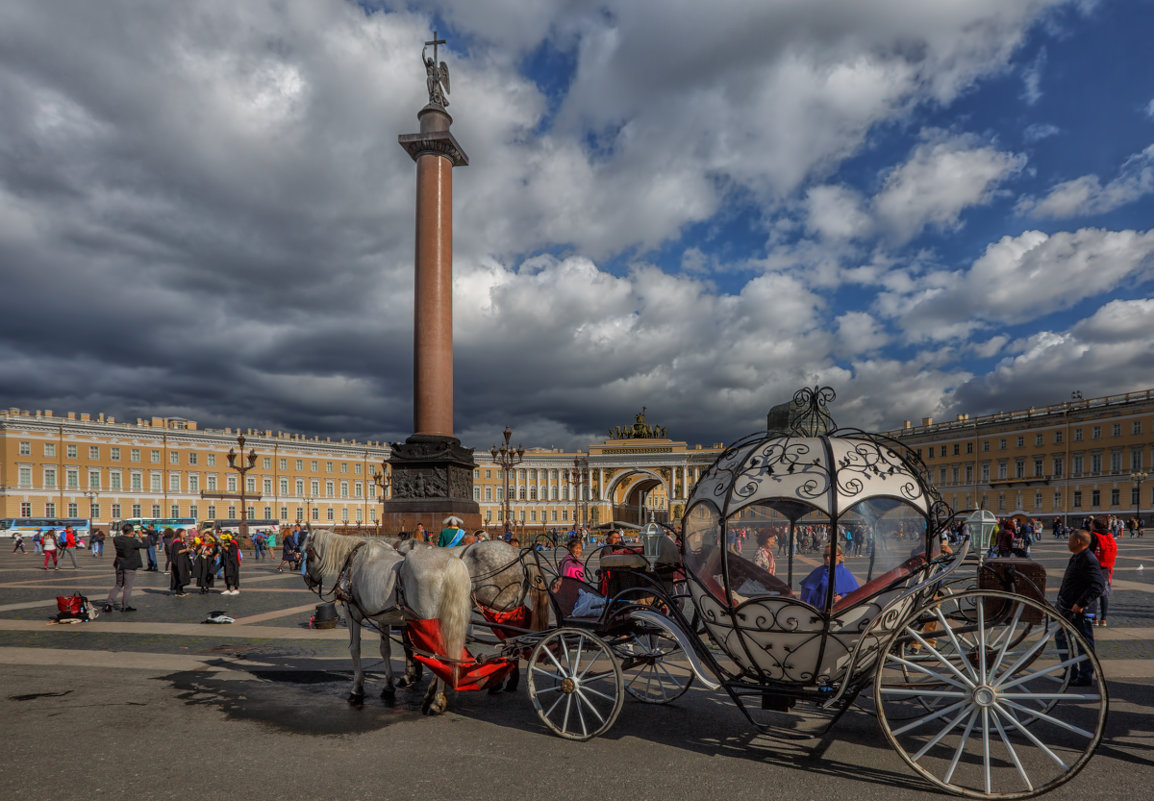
(935, 208)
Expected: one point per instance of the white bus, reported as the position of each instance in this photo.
(27, 526)
(158, 523)
(232, 525)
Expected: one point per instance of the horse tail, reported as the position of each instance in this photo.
(456, 610)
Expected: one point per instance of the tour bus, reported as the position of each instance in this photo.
(158, 523)
(232, 525)
(27, 526)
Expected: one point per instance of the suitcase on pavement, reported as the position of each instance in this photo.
(1014, 574)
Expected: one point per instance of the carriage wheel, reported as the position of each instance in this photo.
(987, 709)
(575, 683)
(656, 671)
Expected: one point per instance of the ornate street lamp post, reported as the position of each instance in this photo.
(308, 512)
(381, 479)
(1138, 478)
(577, 479)
(242, 469)
(91, 495)
(507, 458)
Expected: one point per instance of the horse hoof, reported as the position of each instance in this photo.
(356, 699)
(513, 682)
(405, 682)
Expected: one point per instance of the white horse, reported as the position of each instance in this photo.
(503, 579)
(372, 581)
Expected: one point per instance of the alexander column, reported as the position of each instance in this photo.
(432, 474)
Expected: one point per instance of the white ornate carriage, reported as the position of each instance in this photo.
(971, 679)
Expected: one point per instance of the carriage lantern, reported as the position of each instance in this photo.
(981, 526)
(651, 537)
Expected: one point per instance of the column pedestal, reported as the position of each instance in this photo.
(432, 478)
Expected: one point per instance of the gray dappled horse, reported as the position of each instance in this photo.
(367, 574)
(503, 579)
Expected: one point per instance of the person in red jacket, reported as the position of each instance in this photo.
(1105, 547)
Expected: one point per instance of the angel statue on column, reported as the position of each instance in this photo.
(438, 77)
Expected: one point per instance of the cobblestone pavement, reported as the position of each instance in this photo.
(160, 680)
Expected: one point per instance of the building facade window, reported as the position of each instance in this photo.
(50, 450)
(25, 450)
(70, 453)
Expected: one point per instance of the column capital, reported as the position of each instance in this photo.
(436, 143)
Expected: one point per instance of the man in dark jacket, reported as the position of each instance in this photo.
(1082, 585)
(127, 562)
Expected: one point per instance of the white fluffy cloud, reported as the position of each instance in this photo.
(1021, 278)
(942, 177)
(1097, 356)
(1088, 195)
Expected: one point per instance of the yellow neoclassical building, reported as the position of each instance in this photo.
(78, 465)
(1068, 459)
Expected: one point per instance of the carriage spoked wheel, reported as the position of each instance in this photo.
(575, 683)
(986, 704)
(654, 665)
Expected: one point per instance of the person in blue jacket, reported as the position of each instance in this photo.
(814, 586)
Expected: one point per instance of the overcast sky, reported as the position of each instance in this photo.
(934, 207)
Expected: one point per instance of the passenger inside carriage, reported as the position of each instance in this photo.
(815, 586)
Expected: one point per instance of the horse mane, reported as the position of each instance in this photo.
(333, 549)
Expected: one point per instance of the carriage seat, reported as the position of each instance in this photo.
(880, 583)
(630, 561)
(564, 592)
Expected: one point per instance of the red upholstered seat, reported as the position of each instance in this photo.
(880, 583)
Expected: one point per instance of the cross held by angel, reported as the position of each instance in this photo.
(438, 74)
